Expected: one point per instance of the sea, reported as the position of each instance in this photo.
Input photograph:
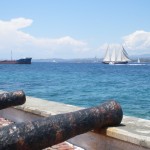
(83, 84)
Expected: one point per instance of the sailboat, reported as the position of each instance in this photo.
(116, 57)
(138, 61)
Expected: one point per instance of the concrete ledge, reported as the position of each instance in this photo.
(133, 130)
(45, 108)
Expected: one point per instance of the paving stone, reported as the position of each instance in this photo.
(64, 146)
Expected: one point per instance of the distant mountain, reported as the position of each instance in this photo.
(143, 58)
(40, 60)
(75, 60)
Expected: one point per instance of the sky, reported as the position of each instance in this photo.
(44, 29)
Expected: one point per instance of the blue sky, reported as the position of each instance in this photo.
(73, 28)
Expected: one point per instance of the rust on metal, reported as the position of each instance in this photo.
(12, 99)
(52, 130)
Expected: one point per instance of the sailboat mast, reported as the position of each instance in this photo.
(11, 55)
(107, 55)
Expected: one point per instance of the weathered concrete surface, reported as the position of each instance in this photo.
(134, 133)
(46, 108)
(18, 115)
(133, 130)
(95, 141)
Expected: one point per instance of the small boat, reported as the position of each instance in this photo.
(138, 61)
(26, 60)
(116, 56)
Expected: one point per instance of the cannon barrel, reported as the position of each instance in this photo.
(52, 130)
(12, 99)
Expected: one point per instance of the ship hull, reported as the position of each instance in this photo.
(117, 62)
(19, 61)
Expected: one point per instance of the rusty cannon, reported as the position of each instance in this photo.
(45, 132)
(12, 99)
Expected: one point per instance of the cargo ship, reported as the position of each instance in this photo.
(26, 60)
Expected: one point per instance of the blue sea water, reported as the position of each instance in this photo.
(83, 85)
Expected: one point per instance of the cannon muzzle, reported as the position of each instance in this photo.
(52, 130)
(12, 99)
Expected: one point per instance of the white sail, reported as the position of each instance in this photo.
(117, 56)
(122, 55)
(107, 55)
(113, 55)
(125, 56)
(138, 60)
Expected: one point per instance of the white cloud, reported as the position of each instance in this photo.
(23, 44)
(135, 43)
(12, 37)
(139, 40)
(56, 43)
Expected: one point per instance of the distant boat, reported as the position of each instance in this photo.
(26, 60)
(138, 61)
(116, 57)
(18, 61)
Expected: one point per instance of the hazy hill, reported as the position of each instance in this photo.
(143, 58)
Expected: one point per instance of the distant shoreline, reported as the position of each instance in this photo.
(86, 60)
